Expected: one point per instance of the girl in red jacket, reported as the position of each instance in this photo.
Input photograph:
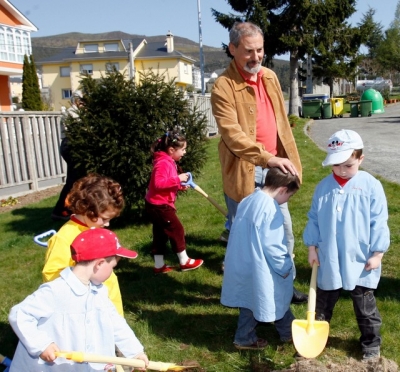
(160, 199)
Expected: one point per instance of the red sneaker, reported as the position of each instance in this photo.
(163, 270)
(191, 266)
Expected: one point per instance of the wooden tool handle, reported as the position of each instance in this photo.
(211, 200)
(312, 295)
(96, 358)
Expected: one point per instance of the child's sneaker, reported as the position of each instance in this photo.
(191, 266)
(370, 355)
(163, 270)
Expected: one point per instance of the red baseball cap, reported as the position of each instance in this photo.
(98, 243)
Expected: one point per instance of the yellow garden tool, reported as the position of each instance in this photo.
(191, 183)
(80, 357)
(310, 336)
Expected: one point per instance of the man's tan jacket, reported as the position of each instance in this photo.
(235, 110)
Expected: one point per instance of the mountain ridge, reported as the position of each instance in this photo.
(214, 58)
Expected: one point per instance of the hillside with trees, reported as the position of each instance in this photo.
(214, 58)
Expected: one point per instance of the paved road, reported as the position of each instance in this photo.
(380, 134)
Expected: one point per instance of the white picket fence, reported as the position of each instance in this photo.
(29, 148)
(29, 151)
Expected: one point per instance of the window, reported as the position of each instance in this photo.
(87, 69)
(65, 71)
(111, 47)
(91, 48)
(185, 68)
(110, 66)
(14, 44)
(66, 93)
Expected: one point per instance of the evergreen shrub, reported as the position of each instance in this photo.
(118, 121)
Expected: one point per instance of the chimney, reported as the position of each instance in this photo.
(170, 42)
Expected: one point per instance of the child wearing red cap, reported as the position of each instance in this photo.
(94, 200)
(73, 312)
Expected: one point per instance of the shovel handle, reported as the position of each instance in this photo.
(80, 357)
(312, 295)
(191, 183)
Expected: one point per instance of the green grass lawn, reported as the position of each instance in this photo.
(178, 316)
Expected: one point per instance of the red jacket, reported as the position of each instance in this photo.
(164, 181)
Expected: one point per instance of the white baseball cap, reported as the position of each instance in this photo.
(341, 146)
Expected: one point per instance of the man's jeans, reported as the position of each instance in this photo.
(287, 220)
(246, 329)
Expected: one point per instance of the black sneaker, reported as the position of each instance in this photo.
(371, 355)
(299, 297)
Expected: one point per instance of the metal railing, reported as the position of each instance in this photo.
(204, 105)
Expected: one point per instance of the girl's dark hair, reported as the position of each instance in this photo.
(172, 138)
(276, 178)
(93, 195)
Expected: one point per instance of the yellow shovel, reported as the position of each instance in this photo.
(310, 336)
(80, 357)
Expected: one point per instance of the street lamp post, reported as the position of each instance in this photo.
(201, 50)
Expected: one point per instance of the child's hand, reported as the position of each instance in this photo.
(183, 177)
(48, 354)
(145, 359)
(312, 255)
(374, 261)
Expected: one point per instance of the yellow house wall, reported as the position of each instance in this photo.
(56, 83)
(171, 69)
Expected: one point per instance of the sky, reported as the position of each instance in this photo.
(152, 17)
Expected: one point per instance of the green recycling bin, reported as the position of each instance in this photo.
(354, 109)
(312, 108)
(366, 108)
(327, 110)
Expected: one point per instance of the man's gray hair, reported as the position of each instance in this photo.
(241, 29)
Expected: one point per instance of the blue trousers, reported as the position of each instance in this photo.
(246, 329)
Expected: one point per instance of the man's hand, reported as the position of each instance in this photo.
(48, 354)
(284, 164)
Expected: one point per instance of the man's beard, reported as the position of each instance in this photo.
(252, 70)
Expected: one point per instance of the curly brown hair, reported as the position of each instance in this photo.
(93, 195)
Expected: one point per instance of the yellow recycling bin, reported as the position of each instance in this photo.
(337, 107)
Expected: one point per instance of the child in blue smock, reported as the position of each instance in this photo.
(74, 313)
(258, 276)
(347, 222)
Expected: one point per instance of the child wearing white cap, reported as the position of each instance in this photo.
(347, 222)
(74, 313)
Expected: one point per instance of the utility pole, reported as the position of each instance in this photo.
(201, 50)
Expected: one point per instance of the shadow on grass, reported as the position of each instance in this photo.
(8, 340)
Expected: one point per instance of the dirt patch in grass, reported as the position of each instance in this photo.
(348, 365)
(33, 197)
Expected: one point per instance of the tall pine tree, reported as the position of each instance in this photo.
(296, 27)
(31, 98)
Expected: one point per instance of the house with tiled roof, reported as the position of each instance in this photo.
(61, 73)
(15, 42)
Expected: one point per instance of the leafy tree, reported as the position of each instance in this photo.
(388, 52)
(297, 27)
(31, 98)
(118, 121)
(369, 65)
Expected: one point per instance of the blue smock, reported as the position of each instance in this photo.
(258, 268)
(348, 224)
